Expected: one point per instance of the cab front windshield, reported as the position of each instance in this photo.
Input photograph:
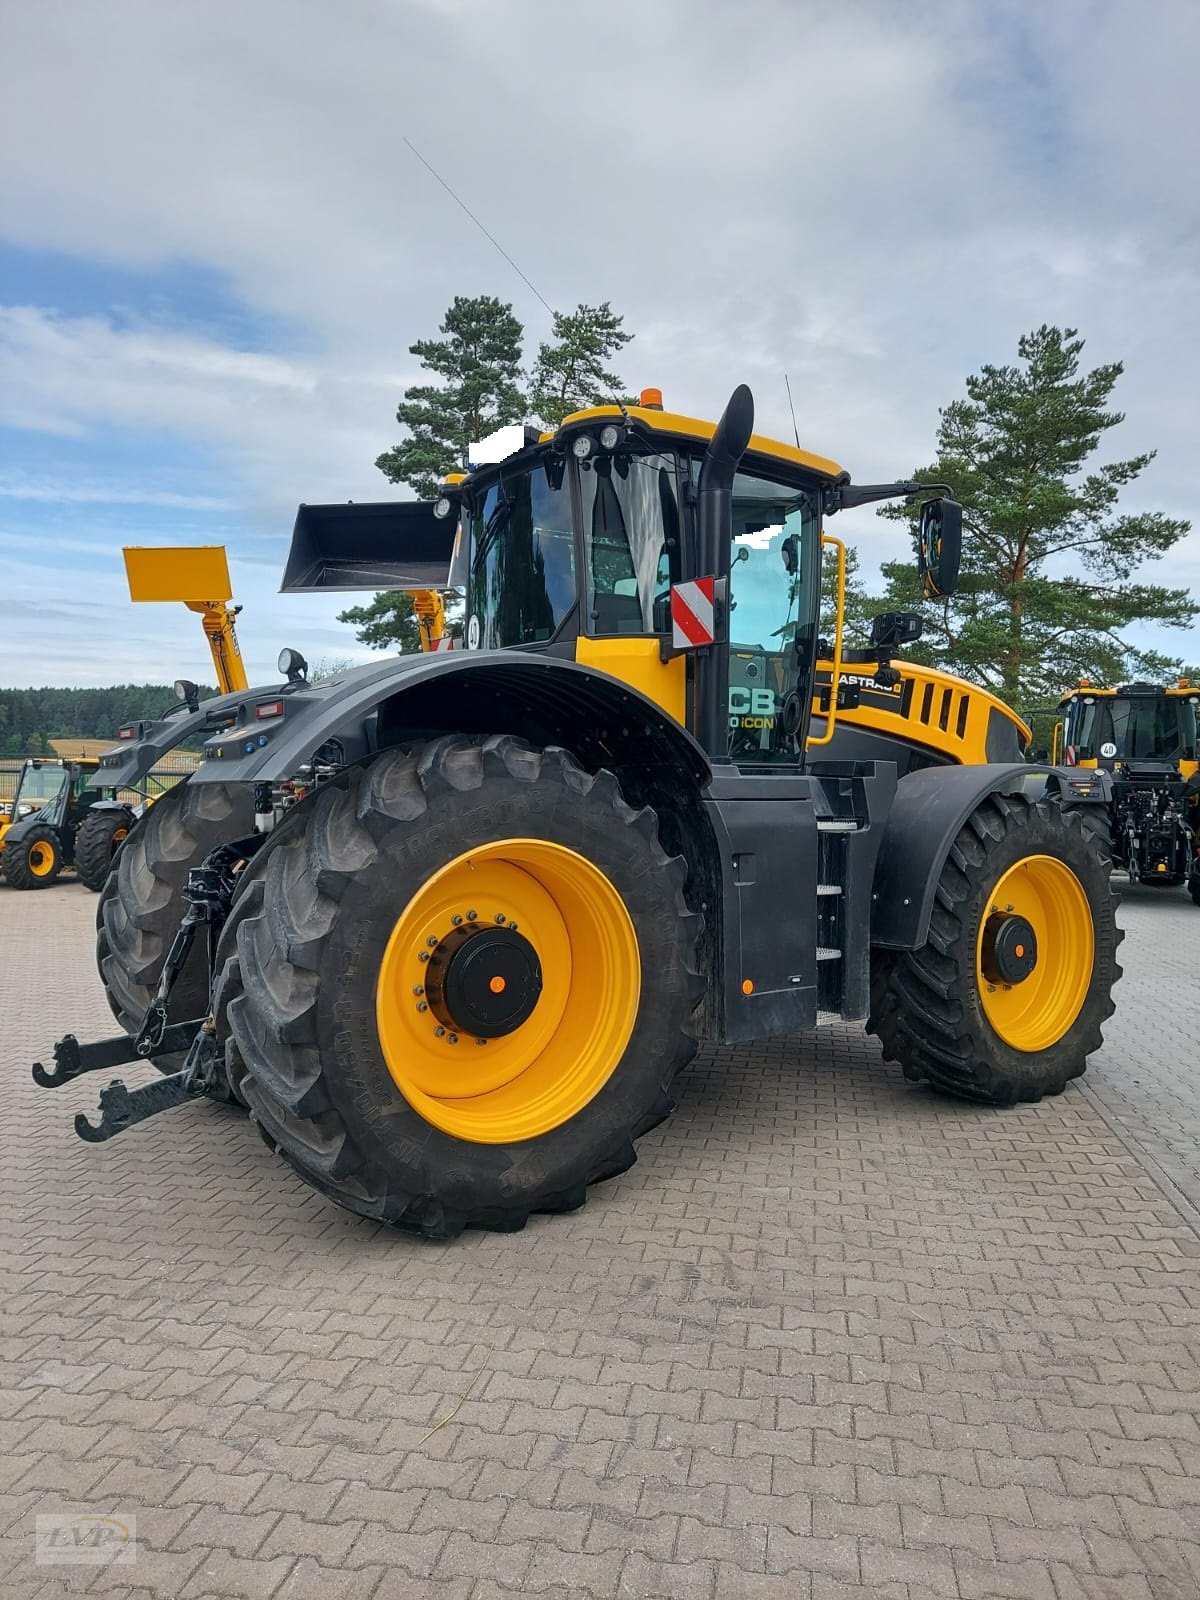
(1133, 728)
(520, 567)
(38, 786)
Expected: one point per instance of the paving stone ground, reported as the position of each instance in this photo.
(831, 1336)
(1148, 1076)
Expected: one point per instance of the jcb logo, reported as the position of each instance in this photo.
(755, 702)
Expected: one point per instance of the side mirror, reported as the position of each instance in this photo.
(940, 547)
(892, 629)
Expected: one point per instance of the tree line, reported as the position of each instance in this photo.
(1052, 572)
(30, 718)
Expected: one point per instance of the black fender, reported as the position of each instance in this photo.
(17, 831)
(126, 764)
(546, 698)
(930, 807)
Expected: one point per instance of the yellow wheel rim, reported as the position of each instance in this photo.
(560, 1055)
(1037, 1012)
(118, 835)
(41, 859)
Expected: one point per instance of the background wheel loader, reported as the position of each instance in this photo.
(453, 984)
(1145, 737)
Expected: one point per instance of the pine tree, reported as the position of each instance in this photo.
(480, 363)
(386, 623)
(1046, 592)
(570, 372)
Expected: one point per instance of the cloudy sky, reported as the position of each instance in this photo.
(216, 248)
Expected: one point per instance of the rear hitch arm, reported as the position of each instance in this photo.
(72, 1059)
(121, 1107)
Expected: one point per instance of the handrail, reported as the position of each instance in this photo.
(835, 676)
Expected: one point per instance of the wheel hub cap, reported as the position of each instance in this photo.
(483, 981)
(1009, 950)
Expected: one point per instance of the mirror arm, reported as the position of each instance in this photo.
(844, 496)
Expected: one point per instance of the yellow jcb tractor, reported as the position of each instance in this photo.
(1145, 737)
(456, 982)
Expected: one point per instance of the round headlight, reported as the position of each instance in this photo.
(291, 663)
(583, 446)
(610, 436)
(443, 507)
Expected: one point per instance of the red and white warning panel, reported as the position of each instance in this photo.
(692, 621)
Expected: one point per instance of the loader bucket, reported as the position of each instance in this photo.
(392, 544)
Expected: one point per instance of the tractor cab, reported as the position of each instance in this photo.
(39, 784)
(1139, 726)
(633, 541)
(1146, 737)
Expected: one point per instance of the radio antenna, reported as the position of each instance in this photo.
(489, 237)
(792, 409)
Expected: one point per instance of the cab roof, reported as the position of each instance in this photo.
(1128, 691)
(673, 424)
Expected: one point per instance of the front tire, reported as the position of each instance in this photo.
(360, 1059)
(966, 1011)
(33, 861)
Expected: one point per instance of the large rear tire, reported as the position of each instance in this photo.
(100, 836)
(1005, 1001)
(142, 904)
(411, 910)
(33, 861)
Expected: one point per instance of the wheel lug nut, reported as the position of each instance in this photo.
(440, 1033)
(512, 927)
(481, 1041)
(431, 942)
(499, 916)
(418, 988)
(421, 1006)
(424, 956)
(457, 921)
(472, 915)
(453, 1039)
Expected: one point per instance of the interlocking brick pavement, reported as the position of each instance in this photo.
(1148, 1077)
(831, 1337)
